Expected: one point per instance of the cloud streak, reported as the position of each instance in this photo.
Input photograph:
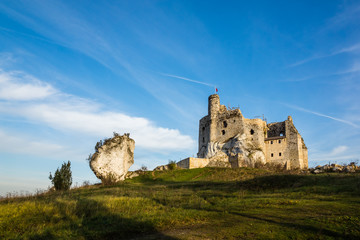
(189, 80)
(353, 49)
(321, 115)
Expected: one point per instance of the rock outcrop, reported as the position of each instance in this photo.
(113, 158)
(238, 150)
(350, 168)
(162, 168)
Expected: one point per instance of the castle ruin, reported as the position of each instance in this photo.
(228, 139)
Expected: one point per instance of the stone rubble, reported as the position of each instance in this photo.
(350, 168)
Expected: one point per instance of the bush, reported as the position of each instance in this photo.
(109, 179)
(143, 168)
(86, 183)
(172, 165)
(62, 179)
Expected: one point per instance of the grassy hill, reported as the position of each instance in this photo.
(209, 203)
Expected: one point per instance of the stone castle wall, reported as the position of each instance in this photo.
(227, 135)
(190, 163)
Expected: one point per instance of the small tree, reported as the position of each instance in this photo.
(172, 165)
(143, 168)
(62, 179)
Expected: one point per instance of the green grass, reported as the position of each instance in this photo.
(209, 203)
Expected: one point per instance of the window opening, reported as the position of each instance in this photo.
(281, 134)
(252, 131)
(271, 142)
(225, 124)
(203, 139)
(272, 155)
(280, 154)
(279, 141)
(203, 129)
(223, 132)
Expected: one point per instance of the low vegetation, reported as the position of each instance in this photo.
(62, 178)
(208, 203)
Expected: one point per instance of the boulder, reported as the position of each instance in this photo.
(317, 171)
(113, 158)
(238, 147)
(130, 175)
(349, 169)
(162, 168)
(337, 168)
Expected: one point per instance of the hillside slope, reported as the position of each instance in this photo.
(209, 203)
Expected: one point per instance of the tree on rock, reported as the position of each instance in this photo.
(62, 179)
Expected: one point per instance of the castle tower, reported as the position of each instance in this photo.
(213, 111)
(214, 105)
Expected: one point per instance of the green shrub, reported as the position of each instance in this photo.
(172, 165)
(109, 179)
(143, 168)
(62, 179)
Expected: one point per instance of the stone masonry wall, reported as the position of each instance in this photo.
(276, 150)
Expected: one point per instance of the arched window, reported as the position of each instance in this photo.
(223, 132)
(225, 124)
(252, 131)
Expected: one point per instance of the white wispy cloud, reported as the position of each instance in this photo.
(338, 154)
(353, 49)
(348, 15)
(350, 49)
(70, 113)
(338, 150)
(20, 144)
(321, 115)
(353, 69)
(75, 117)
(189, 80)
(68, 27)
(306, 60)
(19, 86)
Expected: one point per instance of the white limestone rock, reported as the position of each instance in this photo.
(238, 145)
(113, 158)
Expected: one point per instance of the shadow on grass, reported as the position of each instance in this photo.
(320, 184)
(326, 184)
(296, 226)
(95, 221)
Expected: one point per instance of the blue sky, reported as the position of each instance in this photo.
(72, 72)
